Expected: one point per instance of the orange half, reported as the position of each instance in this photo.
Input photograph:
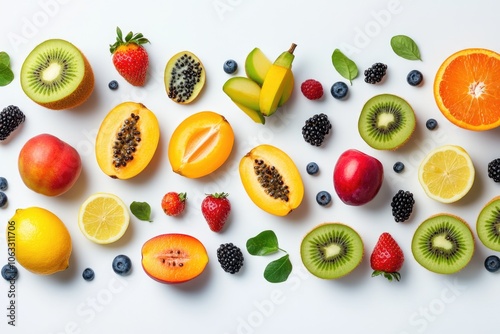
(467, 89)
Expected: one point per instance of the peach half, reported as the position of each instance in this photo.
(173, 258)
(200, 144)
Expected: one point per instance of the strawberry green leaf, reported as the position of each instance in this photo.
(278, 271)
(263, 243)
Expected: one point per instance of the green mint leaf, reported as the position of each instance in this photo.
(405, 47)
(141, 210)
(6, 75)
(278, 271)
(345, 66)
(4, 59)
(263, 243)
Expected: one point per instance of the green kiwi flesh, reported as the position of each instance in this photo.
(331, 250)
(488, 224)
(57, 75)
(443, 244)
(386, 122)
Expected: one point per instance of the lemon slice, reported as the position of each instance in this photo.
(103, 218)
(446, 173)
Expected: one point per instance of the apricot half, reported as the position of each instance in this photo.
(200, 144)
(271, 180)
(127, 140)
(173, 258)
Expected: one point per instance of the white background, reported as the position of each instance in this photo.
(217, 302)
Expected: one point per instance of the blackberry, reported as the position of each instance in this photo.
(494, 169)
(316, 128)
(230, 258)
(402, 205)
(375, 73)
(10, 118)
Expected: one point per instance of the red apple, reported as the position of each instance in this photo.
(48, 165)
(357, 177)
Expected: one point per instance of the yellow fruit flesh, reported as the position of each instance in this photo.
(447, 174)
(144, 151)
(103, 218)
(272, 156)
(200, 144)
(272, 90)
(43, 243)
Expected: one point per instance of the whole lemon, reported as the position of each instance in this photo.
(42, 241)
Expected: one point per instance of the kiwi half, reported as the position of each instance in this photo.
(443, 244)
(488, 224)
(386, 122)
(331, 250)
(57, 75)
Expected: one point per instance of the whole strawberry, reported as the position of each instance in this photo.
(173, 203)
(215, 208)
(130, 58)
(312, 89)
(387, 258)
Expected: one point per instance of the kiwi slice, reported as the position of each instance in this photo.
(331, 250)
(386, 122)
(443, 244)
(57, 75)
(488, 224)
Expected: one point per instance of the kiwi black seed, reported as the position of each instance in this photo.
(126, 141)
(386, 122)
(271, 180)
(443, 244)
(184, 77)
(57, 75)
(488, 224)
(331, 250)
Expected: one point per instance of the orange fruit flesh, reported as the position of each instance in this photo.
(467, 90)
(174, 258)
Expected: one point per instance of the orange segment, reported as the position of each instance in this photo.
(467, 89)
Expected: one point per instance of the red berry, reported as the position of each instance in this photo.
(215, 208)
(312, 89)
(130, 58)
(387, 258)
(173, 203)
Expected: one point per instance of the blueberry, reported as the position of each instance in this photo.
(113, 85)
(339, 90)
(323, 198)
(9, 272)
(431, 124)
(414, 78)
(3, 183)
(3, 199)
(230, 66)
(398, 167)
(492, 263)
(312, 168)
(88, 274)
(122, 265)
